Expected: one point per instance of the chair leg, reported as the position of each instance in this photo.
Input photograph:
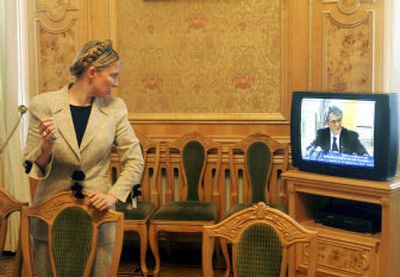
(3, 232)
(153, 233)
(225, 253)
(18, 260)
(207, 251)
(143, 249)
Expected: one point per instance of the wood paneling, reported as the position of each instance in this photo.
(313, 37)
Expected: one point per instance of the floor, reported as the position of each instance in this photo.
(178, 260)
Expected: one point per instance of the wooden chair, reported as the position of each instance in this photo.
(9, 205)
(261, 237)
(260, 181)
(73, 229)
(136, 219)
(198, 160)
(260, 178)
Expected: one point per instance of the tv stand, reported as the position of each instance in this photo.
(343, 252)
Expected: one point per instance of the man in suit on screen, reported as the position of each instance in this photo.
(335, 137)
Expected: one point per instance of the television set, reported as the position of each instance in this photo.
(345, 134)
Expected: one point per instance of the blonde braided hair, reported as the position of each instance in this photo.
(95, 53)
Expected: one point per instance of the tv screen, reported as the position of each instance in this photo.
(345, 134)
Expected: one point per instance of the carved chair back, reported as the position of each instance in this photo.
(261, 237)
(72, 227)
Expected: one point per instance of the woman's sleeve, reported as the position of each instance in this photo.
(33, 147)
(130, 155)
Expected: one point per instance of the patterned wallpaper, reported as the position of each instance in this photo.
(192, 56)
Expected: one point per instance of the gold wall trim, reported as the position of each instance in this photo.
(53, 11)
(243, 118)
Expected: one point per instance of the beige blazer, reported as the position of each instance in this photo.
(107, 125)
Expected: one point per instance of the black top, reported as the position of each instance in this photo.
(80, 116)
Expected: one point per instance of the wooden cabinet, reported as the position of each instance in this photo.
(343, 252)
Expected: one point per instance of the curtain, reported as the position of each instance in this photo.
(395, 54)
(13, 84)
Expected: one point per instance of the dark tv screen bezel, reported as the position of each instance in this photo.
(385, 136)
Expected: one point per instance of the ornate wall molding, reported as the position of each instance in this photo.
(348, 7)
(55, 11)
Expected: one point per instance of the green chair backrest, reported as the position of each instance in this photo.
(259, 252)
(258, 162)
(193, 156)
(71, 236)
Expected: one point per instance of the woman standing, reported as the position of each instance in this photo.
(72, 131)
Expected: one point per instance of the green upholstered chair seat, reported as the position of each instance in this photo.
(142, 210)
(187, 211)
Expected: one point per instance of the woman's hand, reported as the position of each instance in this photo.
(47, 129)
(102, 201)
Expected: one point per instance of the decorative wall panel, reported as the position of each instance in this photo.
(346, 46)
(347, 54)
(188, 58)
(56, 35)
(56, 53)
